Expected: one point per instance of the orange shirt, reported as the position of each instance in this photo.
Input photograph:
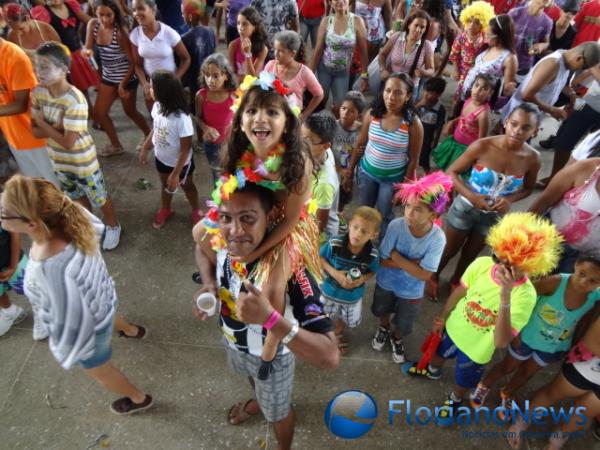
(16, 74)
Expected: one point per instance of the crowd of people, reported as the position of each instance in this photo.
(308, 99)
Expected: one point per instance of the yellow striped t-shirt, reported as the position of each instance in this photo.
(72, 106)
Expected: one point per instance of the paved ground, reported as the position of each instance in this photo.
(182, 362)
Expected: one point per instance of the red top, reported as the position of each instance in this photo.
(587, 23)
(311, 9)
(217, 115)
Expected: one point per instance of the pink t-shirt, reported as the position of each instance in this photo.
(303, 80)
(217, 115)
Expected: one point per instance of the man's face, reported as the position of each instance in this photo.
(243, 223)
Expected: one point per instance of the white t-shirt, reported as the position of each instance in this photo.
(592, 96)
(158, 52)
(587, 144)
(166, 132)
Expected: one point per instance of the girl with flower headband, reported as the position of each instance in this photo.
(265, 148)
(492, 304)
(410, 253)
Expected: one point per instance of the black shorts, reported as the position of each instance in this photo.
(578, 380)
(187, 170)
(575, 127)
(129, 86)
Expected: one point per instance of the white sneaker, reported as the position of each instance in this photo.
(111, 237)
(10, 318)
(39, 329)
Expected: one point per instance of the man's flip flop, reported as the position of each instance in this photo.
(242, 413)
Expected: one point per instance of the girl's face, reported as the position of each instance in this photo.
(417, 28)
(143, 13)
(474, 27)
(47, 72)
(214, 77)
(244, 26)
(339, 5)
(586, 277)
(282, 54)
(106, 16)
(263, 125)
(520, 127)
(481, 91)
(18, 26)
(491, 38)
(395, 95)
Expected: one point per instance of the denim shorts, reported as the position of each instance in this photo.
(468, 373)
(463, 216)
(524, 352)
(405, 311)
(102, 350)
(93, 187)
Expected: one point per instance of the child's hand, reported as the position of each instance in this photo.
(253, 306)
(173, 181)
(7, 274)
(38, 117)
(246, 45)
(210, 134)
(438, 324)
(356, 283)
(341, 277)
(505, 277)
(347, 180)
(501, 205)
(143, 156)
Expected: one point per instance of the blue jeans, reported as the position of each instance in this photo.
(336, 81)
(376, 194)
(309, 26)
(212, 155)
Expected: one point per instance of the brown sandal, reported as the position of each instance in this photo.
(239, 413)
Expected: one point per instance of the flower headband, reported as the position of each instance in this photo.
(267, 81)
(431, 189)
(526, 241)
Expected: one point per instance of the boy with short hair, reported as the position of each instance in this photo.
(493, 302)
(410, 253)
(318, 131)
(346, 134)
(433, 116)
(349, 260)
(59, 112)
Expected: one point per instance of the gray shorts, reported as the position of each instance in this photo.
(35, 162)
(463, 216)
(349, 313)
(405, 311)
(274, 395)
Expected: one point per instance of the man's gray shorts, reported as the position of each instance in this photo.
(274, 395)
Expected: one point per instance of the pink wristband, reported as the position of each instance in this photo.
(272, 320)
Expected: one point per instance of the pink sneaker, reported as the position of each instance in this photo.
(197, 216)
(161, 217)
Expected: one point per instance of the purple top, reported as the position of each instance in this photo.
(235, 6)
(529, 30)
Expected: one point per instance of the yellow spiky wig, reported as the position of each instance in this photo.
(480, 10)
(526, 241)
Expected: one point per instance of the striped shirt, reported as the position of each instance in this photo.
(74, 296)
(114, 61)
(386, 154)
(81, 159)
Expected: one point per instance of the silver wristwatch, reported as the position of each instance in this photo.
(292, 334)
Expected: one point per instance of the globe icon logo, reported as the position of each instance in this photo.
(351, 414)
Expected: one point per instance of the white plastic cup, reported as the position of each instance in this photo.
(207, 303)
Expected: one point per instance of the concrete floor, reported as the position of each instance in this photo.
(182, 362)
